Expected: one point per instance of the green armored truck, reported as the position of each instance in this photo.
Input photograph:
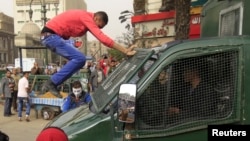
(169, 111)
(173, 92)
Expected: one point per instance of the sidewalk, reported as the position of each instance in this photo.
(21, 131)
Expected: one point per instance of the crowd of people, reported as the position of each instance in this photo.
(99, 70)
(49, 70)
(15, 91)
(15, 86)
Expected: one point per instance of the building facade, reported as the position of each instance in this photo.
(154, 21)
(96, 49)
(7, 51)
(30, 17)
(39, 14)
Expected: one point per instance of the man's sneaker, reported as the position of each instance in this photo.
(19, 119)
(50, 86)
(27, 118)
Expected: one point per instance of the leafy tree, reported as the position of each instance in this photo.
(117, 55)
(126, 17)
(128, 37)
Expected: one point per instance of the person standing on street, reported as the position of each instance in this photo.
(96, 78)
(74, 23)
(23, 96)
(15, 75)
(7, 89)
(36, 70)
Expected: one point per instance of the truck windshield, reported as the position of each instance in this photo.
(122, 74)
(125, 73)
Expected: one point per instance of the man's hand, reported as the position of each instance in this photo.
(131, 51)
(132, 47)
(127, 51)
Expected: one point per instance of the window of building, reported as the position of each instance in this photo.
(4, 57)
(20, 11)
(55, 9)
(37, 10)
(1, 42)
(38, 21)
(231, 20)
(20, 22)
(4, 43)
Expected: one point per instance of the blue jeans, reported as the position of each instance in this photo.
(64, 48)
(20, 106)
(7, 106)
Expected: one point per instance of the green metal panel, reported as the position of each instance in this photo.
(211, 16)
(210, 27)
(246, 20)
(81, 124)
(245, 85)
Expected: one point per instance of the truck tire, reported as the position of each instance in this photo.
(47, 113)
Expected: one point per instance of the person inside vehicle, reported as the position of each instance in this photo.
(150, 104)
(198, 98)
(76, 98)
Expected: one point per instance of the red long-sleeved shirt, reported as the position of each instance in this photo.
(75, 23)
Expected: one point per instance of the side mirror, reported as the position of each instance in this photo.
(126, 103)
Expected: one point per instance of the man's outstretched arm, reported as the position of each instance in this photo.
(128, 51)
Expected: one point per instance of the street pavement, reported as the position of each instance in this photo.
(21, 131)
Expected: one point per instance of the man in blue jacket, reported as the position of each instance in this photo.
(76, 98)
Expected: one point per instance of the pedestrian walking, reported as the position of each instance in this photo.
(74, 23)
(23, 96)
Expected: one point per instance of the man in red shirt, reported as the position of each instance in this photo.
(74, 23)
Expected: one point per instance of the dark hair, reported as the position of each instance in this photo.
(25, 72)
(103, 15)
(7, 70)
(76, 84)
(4, 137)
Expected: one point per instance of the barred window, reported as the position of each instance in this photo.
(193, 91)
